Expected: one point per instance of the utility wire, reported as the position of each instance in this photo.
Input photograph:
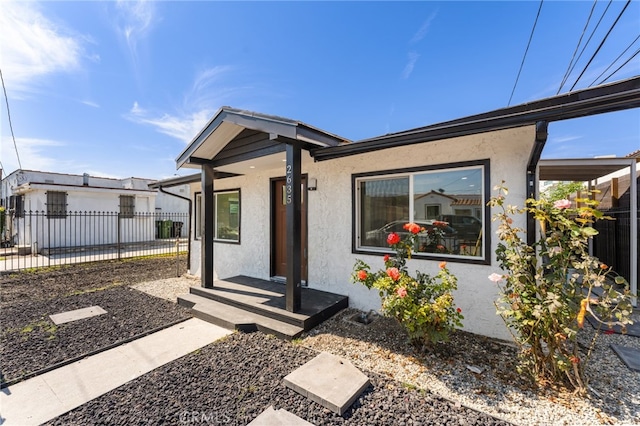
(525, 53)
(616, 60)
(584, 30)
(601, 44)
(620, 67)
(6, 98)
(588, 40)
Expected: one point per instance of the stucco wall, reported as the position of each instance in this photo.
(330, 220)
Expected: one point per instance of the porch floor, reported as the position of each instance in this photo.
(250, 304)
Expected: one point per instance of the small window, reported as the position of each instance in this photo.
(127, 206)
(198, 216)
(15, 203)
(227, 216)
(56, 204)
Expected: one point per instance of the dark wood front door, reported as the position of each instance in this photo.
(279, 229)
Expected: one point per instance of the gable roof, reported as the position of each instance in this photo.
(234, 133)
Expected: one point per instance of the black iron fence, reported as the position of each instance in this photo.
(37, 239)
(612, 245)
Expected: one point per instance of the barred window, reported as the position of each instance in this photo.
(127, 206)
(56, 204)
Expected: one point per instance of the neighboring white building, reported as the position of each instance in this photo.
(50, 210)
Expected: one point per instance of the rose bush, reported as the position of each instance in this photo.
(550, 287)
(422, 305)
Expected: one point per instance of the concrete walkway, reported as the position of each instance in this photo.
(49, 395)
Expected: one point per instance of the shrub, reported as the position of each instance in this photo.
(551, 286)
(422, 305)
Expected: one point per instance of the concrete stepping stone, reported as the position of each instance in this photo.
(271, 417)
(328, 380)
(630, 356)
(77, 314)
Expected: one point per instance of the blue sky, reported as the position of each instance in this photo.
(119, 88)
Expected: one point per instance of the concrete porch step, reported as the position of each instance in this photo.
(234, 318)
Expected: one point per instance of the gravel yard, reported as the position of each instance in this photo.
(30, 341)
(233, 380)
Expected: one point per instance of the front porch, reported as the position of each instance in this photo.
(252, 304)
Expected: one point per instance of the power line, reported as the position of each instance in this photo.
(620, 67)
(6, 98)
(525, 52)
(584, 30)
(588, 41)
(601, 44)
(616, 60)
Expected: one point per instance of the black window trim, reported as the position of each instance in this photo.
(197, 213)
(485, 163)
(218, 240)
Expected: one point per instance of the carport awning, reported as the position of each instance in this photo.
(581, 169)
(234, 135)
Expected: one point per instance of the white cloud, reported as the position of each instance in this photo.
(34, 46)
(135, 21)
(411, 62)
(32, 155)
(91, 104)
(202, 100)
(422, 32)
(183, 127)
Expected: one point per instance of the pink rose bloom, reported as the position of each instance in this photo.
(393, 273)
(495, 277)
(562, 204)
(393, 238)
(401, 291)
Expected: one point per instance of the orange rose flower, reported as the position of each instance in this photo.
(412, 227)
(443, 265)
(362, 275)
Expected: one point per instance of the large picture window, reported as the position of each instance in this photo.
(227, 216)
(449, 202)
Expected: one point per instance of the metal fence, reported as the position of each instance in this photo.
(37, 239)
(612, 245)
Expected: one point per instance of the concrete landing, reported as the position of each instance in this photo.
(630, 356)
(328, 380)
(51, 394)
(271, 417)
(77, 314)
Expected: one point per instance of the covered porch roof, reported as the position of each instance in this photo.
(234, 137)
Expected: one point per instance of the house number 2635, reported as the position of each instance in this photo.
(289, 186)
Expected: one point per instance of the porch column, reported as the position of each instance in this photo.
(294, 235)
(208, 215)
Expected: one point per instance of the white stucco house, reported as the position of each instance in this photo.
(48, 210)
(279, 200)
